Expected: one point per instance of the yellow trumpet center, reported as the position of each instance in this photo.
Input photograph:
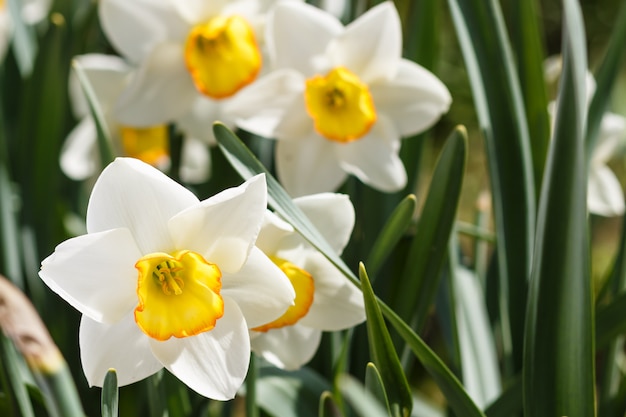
(340, 105)
(150, 144)
(222, 56)
(304, 287)
(179, 294)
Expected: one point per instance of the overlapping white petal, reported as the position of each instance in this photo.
(238, 231)
(134, 211)
(91, 270)
(121, 346)
(307, 42)
(133, 195)
(214, 363)
(337, 303)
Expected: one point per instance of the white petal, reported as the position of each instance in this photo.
(223, 228)
(135, 27)
(414, 100)
(371, 46)
(605, 196)
(196, 11)
(95, 273)
(298, 32)
(289, 347)
(337, 303)
(308, 165)
(134, 195)
(611, 137)
(332, 215)
(195, 161)
(261, 106)
(273, 231)
(213, 363)
(198, 121)
(374, 158)
(160, 91)
(121, 346)
(79, 154)
(295, 122)
(260, 288)
(107, 75)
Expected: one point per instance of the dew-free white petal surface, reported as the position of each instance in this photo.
(289, 347)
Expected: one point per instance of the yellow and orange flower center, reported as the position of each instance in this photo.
(304, 287)
(222, 56)
(340, 105)
(179, 294)
(150, 144)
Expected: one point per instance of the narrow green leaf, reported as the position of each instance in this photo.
(429, 248)
(509, 403)
(501, 116)
(104, 136)
(251, 407)
(363, 403)
(328, 407)
(452, 389)
(374, 383)
(392, 231)
(16, 369)
(526, 36)
(384, 354)
(559, 375)
(110, 395)
(606, 76)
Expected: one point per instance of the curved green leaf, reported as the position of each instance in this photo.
(384, 355)
(500, 109)
(110, 395)
(430, 245)
(392, 231)
(559, 342)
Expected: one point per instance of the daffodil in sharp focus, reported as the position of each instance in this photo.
(108, 75)
(338, 99)
(192, 57)
(325, 299)
(165, 280)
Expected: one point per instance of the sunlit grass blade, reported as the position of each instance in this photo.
(247, 165)
(501, 116)
(528, 44)
(479, 358)
(384, 355)
(393, 230)
(606, 76)
(361, 400)
(104, 136)
(429, 248)
(559, 375)
(110, 395)
(290, 394)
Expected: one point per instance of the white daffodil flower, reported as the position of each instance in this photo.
(340, 98)
(32, 12)
(108, 76)
(165, 280)
(605, 195)
(325, 299)
(192, 56)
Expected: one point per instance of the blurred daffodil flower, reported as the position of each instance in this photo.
(165, 280)
(32, 12)
(192, 56)
(605, 195)
(108, 76)
(339, 98)
(325, 299)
